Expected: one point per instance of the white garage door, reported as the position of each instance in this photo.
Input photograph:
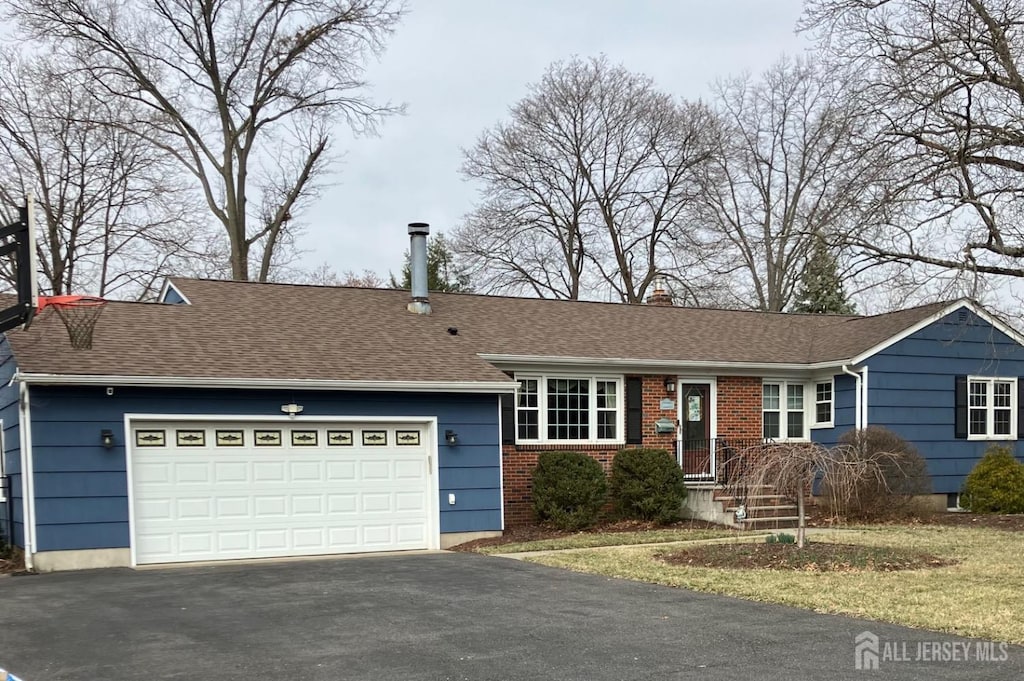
(218, 491)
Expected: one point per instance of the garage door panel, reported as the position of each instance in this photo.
(193, 509)
(227, 472)
(307, 504)
(233, 507)
(375, 470)
(410, 502)
(270, 507)
(189, 473)
(342, 503)
(268, 471)
(341, 471)
(152, 473)
(215, 502)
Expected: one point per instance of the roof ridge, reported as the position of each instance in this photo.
(471, 294)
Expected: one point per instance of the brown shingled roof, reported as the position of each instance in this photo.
(288, 332)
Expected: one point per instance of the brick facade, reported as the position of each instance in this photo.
(739, 416)
(739, 407)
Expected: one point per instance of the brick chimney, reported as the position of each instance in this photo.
(660, 295)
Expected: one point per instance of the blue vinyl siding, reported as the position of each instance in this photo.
(11, 454)
(845, 397)
(81, 488)
(911, 389)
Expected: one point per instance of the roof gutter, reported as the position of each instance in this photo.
(28, 378)
(653, 364)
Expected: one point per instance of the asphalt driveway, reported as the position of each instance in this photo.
(438, 616)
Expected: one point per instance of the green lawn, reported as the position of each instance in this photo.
(589, 540)
(980, 596)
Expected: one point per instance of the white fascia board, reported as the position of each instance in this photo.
(269, 384)
(653, 365)
(168, 286)
(928, 321)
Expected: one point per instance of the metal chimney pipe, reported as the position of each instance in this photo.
(418, 232)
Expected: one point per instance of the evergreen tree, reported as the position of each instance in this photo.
(442, 272)
(821, 288)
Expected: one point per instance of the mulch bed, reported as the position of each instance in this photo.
(814, 557)
(1011, 523)
(525, 533)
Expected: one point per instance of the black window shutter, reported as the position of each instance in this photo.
(1020, 405)
(634, 410)
(960, 421)
(508, 419)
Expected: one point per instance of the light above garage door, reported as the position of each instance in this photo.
(211, 490)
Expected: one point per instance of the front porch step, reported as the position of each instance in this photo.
(761, 499)
(765, 508)
(783, 522)
(765, 511)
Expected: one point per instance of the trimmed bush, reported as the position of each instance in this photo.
(569, 489)
(892, 474)
(996, 485)
(647, 484)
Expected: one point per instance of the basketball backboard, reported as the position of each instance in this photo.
(18, 247)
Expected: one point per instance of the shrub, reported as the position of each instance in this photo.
(996, 485)
(647, 484)
(878, 477)
(569, 489)
(780, 538)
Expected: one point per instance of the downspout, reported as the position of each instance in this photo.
(864, 398)
(857, 399)
(28, 520)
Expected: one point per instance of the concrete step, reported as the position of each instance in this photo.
(762, 498)
(757, 510)
(773, 522)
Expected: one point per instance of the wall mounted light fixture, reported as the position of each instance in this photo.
(670, 384)
(291, 409)
(107, 438)
(451, 437)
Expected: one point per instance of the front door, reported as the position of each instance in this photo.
(696, 446)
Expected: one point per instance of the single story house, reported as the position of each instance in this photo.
(238, 420)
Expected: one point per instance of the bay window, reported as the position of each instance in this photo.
(569, 409)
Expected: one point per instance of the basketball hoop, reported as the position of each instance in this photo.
(79, 315)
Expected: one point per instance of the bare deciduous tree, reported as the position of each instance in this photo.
(113, 215)
(787, 173)
(324, 275)
(583, 189)
(791, 469)
(241, 94)
(943, 78)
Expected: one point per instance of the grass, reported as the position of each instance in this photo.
(591, 540)
(979, 596)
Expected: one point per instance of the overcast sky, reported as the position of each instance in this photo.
(459, 65)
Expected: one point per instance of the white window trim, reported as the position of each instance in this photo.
(990, 406)
(812, 392)
(783, 408)
(3, 455)
(542, 415)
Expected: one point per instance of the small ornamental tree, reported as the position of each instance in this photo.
(791, 468)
